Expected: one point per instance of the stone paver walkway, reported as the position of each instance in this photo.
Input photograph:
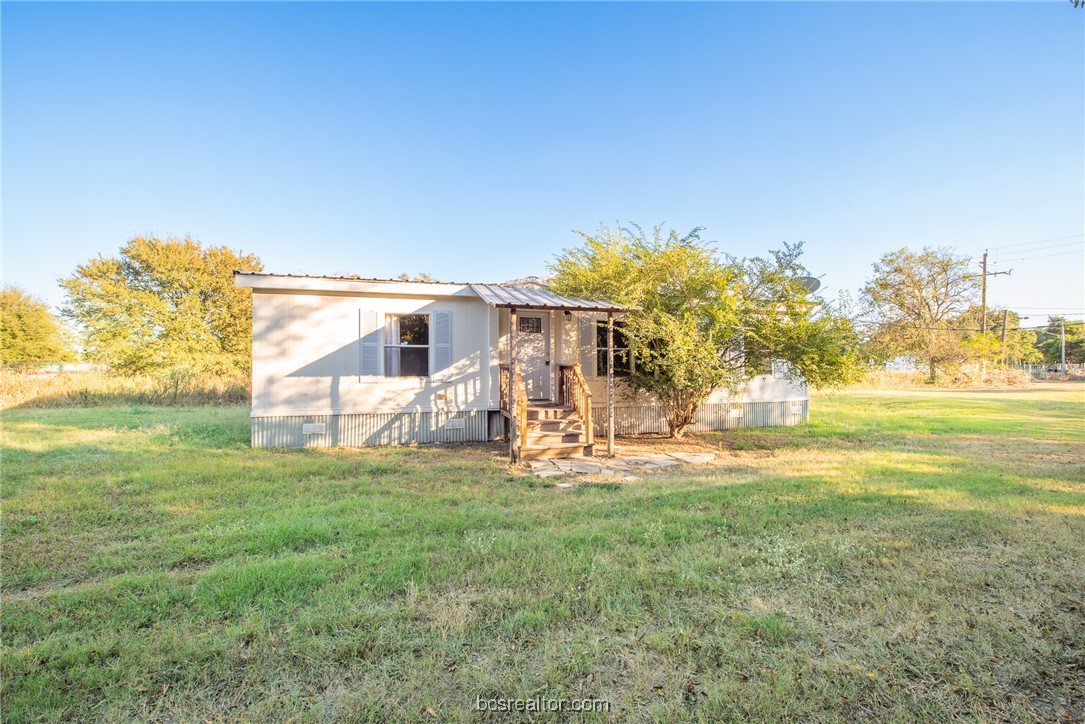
(620, 465)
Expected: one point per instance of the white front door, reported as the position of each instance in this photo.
(533, 352)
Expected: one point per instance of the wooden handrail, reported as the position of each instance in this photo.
(504, 387)
(520, 392)
(517, 412)
(574, 391)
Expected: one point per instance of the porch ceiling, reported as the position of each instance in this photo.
(504, 296)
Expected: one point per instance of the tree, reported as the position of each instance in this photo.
(164, 304)
(914, 301)
(29, 334)
(1019, 345)
(1050, 344)
(701, 322)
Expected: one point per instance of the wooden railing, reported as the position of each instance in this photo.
(517, 413)
(504, 387)
(573, 390)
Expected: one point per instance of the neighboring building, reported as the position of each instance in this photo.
(903, 363)
(354, 362)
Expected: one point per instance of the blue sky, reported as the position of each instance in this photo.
(467, 140)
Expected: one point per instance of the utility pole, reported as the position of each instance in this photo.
(983, 290)
(983, 293)
(1062, 338)
(1005, 312)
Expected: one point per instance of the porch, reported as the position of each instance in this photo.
(545, 400)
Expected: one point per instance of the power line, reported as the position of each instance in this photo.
(1042, 248)
(1042, 256)
(974, 329)
(1038, 241)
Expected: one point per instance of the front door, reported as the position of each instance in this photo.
(533, 352)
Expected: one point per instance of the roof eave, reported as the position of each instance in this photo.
(561, 308)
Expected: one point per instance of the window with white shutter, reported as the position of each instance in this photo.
(406, 345)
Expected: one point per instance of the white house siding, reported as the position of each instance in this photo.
(307, 371)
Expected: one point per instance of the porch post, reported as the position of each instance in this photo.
(513, 432)
(610, 383)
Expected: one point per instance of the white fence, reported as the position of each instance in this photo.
(1041, 372)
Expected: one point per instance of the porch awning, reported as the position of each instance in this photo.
(507, 296)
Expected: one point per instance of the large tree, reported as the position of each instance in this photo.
(702, 321)
(29, 334)
(164, 304)
(915, 302)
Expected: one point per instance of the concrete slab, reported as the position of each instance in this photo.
(620, 466)
(694, 458)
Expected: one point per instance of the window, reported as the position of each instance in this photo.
(623, 361)
(530, 325)
(406, 351)
(776, 369)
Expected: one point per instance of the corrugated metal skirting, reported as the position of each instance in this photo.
(370, 429)
(717, 416)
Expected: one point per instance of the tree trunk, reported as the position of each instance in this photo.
(933, 372)
(683, 411)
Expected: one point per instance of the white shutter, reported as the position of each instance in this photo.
(442, 341)
(370, 343)
(391, 349)
(587, 344)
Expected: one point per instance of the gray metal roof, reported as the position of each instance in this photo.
(351, 278)
(533, 297)
(521, 296)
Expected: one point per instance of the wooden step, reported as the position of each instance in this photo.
(571, 424)
(555, 450)
(551, 413)
(543, 437)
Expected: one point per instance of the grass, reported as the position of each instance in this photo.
(95, 389)
(903, 556)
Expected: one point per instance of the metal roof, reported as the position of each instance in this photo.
(501, 295)
(351, 278)
(520, 296)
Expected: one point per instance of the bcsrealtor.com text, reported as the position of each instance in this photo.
(541, 704)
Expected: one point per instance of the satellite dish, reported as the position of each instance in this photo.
(811, 284)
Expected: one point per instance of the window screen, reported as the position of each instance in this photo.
(406, 354)
(622, 359)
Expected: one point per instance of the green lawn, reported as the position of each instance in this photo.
(902, 556)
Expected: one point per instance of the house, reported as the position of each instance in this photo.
(903, 363)
(355, 362)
